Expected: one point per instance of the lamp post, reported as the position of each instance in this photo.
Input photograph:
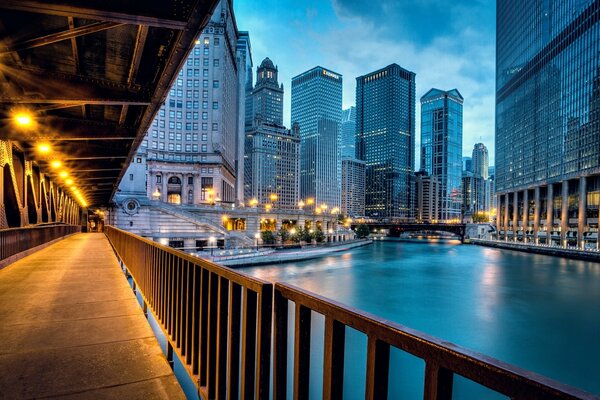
(257, 236)
(211, 242)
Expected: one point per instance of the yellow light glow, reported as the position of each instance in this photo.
(300, 204)
(253, 202)
(56, 164)
(23, 119)
(310, 201)
(43, 148)
(224, 218)
(69, 182)
(273, 196)
(63, 174)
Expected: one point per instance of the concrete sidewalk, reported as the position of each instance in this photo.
(71, 327)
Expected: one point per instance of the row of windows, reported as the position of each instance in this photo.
(192, 83)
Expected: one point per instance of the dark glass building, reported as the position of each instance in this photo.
(441, 147)
(385, 139)
(317, 108)
(548, 121)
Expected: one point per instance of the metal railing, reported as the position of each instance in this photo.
(17, 240)
(442, 359)
(216, 320)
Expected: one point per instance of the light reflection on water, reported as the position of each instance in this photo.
(534, 311)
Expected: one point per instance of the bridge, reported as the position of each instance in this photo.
(396, 229)
(80, 83)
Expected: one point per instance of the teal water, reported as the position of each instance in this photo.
(537, 312)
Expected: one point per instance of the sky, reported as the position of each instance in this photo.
(447, 43)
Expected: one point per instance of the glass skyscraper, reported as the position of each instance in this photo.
(441, 147)
(548, 121)
(317, 108)
(385, 134)
(348, 137)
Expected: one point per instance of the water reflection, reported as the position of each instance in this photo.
(534, 311)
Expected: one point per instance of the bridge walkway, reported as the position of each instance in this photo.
(72, 328)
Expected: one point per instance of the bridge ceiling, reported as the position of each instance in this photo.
(92, 74)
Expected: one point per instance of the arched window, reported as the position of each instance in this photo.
(174, 180)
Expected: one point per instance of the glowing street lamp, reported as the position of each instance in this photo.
(310, 201)
(23, 119)
(56, 164)
(43, 148)
(257, 236)
(156, 194)
(63, 174)
(273, 197)
(301, 204)
(211, 241)
(253, 203)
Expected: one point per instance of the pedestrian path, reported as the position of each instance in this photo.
(70, 327)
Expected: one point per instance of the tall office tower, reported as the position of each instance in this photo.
(271, 151)
(467, 164)
(441, 147)
(481, 160)
(353, 187)
(427, 198)
(385, 139)
(272, 165)
(473, 193)
(244, 62)
(190, 148)
(267, 95)
(348, 136)
(317, 108)
(547, 120)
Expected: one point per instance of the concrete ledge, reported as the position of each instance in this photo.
(15, 257)
(585, 255)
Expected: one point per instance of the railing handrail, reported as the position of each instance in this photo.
(233, 275)
(497, 375)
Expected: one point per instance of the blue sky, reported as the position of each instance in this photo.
(448, 44)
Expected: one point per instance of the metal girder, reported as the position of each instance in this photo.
(131, 12)
(71, 33)
(72, 129)
(140, 42)
(25, 88)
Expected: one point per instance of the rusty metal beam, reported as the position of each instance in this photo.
(136, 13)
(70, 33)
(140, 42)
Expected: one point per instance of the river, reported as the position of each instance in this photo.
(537, 312)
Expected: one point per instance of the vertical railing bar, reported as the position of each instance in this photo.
(302, 352)
(333, 359)
(195, 337)
(203, 327)
(186, 306)
(248, 344)
(177, 266)
(263, 345)
(233, 367)
(378, 365)
(438, 382)
(212, 334)
(221, 367)
(280, 343)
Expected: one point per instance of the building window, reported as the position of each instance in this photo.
(217, 41)
(158, 178)
(215, 84)
(130, 177)
(138, 160)
(190, 180)
(215, 126)
(204, 148)
(206, 41)
(216, 62)
(215, 105)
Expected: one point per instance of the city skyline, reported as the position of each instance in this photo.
(351, 38)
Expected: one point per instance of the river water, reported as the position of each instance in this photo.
(537, 312)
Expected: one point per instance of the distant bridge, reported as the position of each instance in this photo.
(396, 229)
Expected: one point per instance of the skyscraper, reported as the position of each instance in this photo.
(267, 95)
(547, 124)
(317, 108)
(385, 133)
(271, 151)
(441, 147)
(481, 160)
(191, 149)
(348, 137)
(244, 60)
(467, 164)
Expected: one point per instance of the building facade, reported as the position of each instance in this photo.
(317, 108)
(272, 165)
(353, 187)
(441, 147)
(548, 121)
(385, 140)
(481, 160)
(192, 149)
(474, 194)
(348, 133)
(267, 95)
(427, 197)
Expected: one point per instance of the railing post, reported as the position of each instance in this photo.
(378, 368)
(170, 354)
(302, 352)
(280, 336)
(333, 359)
(438, 382)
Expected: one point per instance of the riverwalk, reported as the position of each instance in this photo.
(297, 254)
(568, 252)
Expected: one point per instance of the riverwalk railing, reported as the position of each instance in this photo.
(217, 321)
(442, 359)
(14, 241)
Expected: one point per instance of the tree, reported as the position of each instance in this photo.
(362, 231)
(284, 234)
(305, 235)
(480, 217)
(319, 235)
(268, 237)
